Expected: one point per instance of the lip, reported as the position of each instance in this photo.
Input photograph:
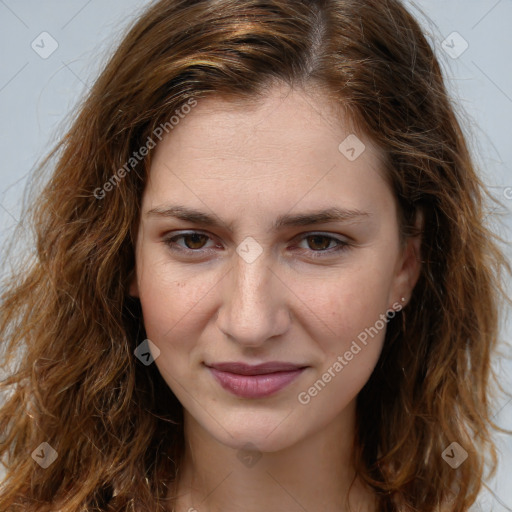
(255, 381)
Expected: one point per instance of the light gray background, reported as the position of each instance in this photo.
(37, 93)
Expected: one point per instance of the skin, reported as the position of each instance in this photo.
(246, 165)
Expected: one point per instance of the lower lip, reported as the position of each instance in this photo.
(255, 386)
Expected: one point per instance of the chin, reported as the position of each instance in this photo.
(268, 432)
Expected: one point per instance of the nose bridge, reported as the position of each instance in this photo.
(253, 307)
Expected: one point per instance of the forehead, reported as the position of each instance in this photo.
(289, 142)
(283, 118)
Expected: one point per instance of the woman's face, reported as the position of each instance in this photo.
(235, 264)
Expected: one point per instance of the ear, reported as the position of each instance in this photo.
(133, 285)
(408, 268)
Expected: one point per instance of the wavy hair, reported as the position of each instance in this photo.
(70, 328)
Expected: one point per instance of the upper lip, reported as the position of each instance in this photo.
(257, 369)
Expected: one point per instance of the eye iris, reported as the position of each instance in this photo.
(318, 238)
(195, 237)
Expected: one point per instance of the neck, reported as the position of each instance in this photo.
(314, 474)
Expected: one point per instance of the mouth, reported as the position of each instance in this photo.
(255, 381)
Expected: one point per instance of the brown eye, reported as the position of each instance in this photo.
(318, 245)
(196, 240)
(319, 242)
(192, 242)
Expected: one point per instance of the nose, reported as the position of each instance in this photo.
(254, 306)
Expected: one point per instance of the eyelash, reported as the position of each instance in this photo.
(170, 242)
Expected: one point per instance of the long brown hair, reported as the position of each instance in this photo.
(70, 328)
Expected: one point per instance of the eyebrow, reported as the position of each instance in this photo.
(333, 214)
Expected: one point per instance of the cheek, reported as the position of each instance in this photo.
(350, 311)
(350, 302)
(174, 316)
(173, 313)
(352, 314)
(170, 296)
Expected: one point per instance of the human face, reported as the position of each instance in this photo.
(285, 295)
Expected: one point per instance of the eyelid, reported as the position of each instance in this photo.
(170, 237)
(326, 234)
(341, 243)
(341, 246)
